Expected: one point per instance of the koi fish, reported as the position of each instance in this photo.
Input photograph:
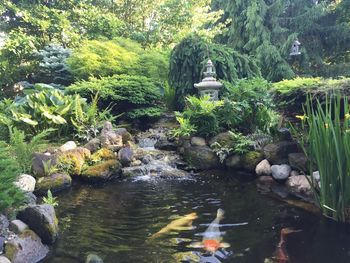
(181, 224)
(212, 237)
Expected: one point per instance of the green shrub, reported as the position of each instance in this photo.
(137, 97)
(290, 95)
(327, 144)
(10, 195)
(119, 56)
(45, 107)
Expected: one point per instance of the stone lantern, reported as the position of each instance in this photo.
(295, 48)
(209, 85)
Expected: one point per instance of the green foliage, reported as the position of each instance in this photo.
(10, 195)
(327, 144)
(201, 114)
(52, 67)
(45, 107)
(137, 97)
(49, 169)
(169, 97)
(248, 106)
(267, 29)
(22, 150)
(119, 56)
(291, 94)
(50, 199)
(190, 56)
(186, 129)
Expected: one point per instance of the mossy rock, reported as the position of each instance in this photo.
(102, 155)
(201, 157)
(55, 183)
(102, 172)
(250, 160)
(72, 161)
(224, 139)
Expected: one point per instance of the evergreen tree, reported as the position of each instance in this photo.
(266, 29)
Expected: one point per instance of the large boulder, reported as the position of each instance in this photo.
(277, 153)
(110, 138)
(299, 186)
(250, 160)
(125, 156)
(224, 139)
(68, 146)
(299, 161)
(55, 183)
(263, 168)
(73, 160)
(198, 141)
(101, 172)
(42, 219)
(233, 162)
(26, 183)
(93, 145)
(164, 144)
(26, 248)
(39, 159)
(281, 172)
(201, 158)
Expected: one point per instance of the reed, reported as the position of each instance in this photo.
(328, 146)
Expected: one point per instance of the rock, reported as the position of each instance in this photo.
(224, 139)
(55, 183)
(4, 225)
(4, 260)
(299, 185)
(41, 219)
(18, 227)
(109, 138)
(126, 136)
(134, 171)
(233, 162)
(136, 163)
(263, 168)
(299, 161)
(93, 145)
(102, 172)
(26, 248)
(26, 183)
(250, 160)
(92, 258)
(103, 154)
(281, 172)
(265, 183)
(68, 146)
(165, 145)
(146, 159)
(73, 160)
(29, 198)
(277, 153)
(294, 173)
(38, 163)
(316, 176)
(284, 134)
(2, 244)
(125, 156)
(198, 141)
(201, 158)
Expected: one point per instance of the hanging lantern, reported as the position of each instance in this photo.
(209, 85)
(295, 50)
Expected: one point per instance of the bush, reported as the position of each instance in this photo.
(290, 95)
(119, 56)
(137, 97)
(45, 107)
(10, 195)
(189, 58)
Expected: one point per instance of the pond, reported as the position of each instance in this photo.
(116, 221)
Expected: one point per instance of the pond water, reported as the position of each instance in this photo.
(116, 220)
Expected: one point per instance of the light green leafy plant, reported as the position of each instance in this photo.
(50, 199)
(186, 129)
(49, 169)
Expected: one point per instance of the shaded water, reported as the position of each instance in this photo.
(116, 220)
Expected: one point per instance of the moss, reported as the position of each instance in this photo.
(102, 155)
(54, 182)
(100, 170)
(251, 159)
(72, 161)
